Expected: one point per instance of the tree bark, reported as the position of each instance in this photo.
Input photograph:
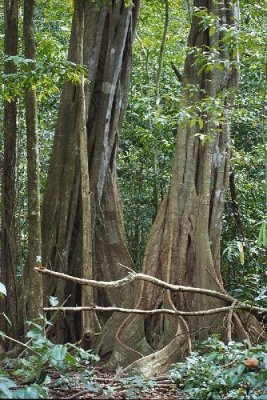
(107, 44)
(184, 244)
(8, 236)
(33, 287)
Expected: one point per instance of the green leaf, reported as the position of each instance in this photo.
(262, 238)
(5, 393)
(241, 252)
(212, 30)
(70, 359)
(32, 392)
(53, 301)
(59, 352)
(192, 122)
(240, 369)
(93, 387)
(2, 290)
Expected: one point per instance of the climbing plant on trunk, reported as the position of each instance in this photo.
(76, 205)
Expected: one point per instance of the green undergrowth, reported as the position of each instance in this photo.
(45, 366)
(41, 360)
(213, 371)
(219, 371)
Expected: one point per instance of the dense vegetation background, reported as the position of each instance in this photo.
(148, 129)
(146, 149)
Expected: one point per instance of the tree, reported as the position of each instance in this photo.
(184, 244)
(32, 282)
(8, 234)
(105, 34)
(82, 223)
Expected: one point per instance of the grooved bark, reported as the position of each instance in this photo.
(8, 236)
(184, 244)
(107, 44)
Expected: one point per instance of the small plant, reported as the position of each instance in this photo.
(41, 357)
(44, 354)
(233, 371)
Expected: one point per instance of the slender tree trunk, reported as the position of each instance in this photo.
(32, 282)
(87, 296)
(8, 236)
(184, 244)
(69, 235)
(156, 194)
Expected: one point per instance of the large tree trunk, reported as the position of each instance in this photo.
(184, 244)
(106, 35)
(8, 236)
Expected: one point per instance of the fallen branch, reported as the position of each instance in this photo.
(145, 312)
(132, 276)
(90, 282)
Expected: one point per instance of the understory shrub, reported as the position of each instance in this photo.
(220, 371)
(41, 358)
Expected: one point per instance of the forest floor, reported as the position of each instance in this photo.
(103, 384)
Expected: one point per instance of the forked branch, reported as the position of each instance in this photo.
(133, 276)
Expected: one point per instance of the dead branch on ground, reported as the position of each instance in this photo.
(133, 276)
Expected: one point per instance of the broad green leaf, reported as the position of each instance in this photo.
(241, 252)
(262, 238)
(59, 352)
(2, 290)
(93, 387)
(53, 301)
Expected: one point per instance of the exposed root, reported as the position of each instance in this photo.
(158, 363)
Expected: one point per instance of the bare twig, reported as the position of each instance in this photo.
(49, 327)
(20, 343)
(127, 268)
